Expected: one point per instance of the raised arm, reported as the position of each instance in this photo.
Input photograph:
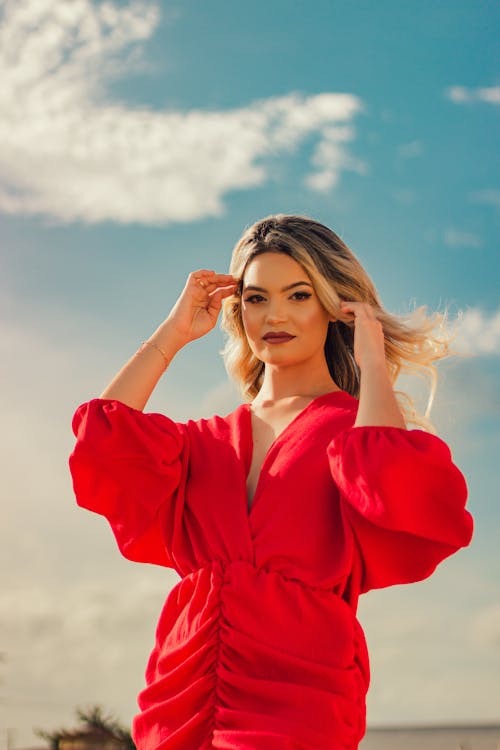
(193, 315)
(378, 405)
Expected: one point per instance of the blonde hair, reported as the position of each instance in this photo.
(410, 342)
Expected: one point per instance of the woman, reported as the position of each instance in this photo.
(280, 514)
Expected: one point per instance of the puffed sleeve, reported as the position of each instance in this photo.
(404, 499)
(127, 466)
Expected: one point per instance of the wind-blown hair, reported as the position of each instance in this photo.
(410, 342)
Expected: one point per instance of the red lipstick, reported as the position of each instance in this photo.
(278, 337)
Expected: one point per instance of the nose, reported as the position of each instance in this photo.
(276, 312)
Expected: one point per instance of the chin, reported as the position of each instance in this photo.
(280, 359)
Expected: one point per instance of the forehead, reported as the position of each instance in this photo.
(273, 264)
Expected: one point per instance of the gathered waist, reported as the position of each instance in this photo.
(290, 612)
(222, 566)
(247, 645)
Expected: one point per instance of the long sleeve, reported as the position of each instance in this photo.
(404, 499)
(126, 465)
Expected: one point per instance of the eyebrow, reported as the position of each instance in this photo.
(285, 288)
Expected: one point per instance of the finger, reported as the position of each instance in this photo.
(346, 307)
(216, 298)
(211, 282)
(222, 291)
(360, 309)
(219, 281)
(211, 275)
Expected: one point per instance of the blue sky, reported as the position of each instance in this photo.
(138, 140)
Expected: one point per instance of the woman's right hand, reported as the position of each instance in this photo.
(196, 311)
(194, 314)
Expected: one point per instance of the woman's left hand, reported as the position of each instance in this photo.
(368, 333)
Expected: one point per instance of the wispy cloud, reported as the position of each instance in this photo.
(489, 197)
(485, 627)
(479, 332)
(85, 634)
(463, 95)
(411, 629)
(331, 156)
(69, 154)
(458, 238)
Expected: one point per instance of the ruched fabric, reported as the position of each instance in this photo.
(258, 646)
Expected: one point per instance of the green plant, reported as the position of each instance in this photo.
(93, 721)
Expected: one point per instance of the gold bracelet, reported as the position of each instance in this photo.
(152, 343)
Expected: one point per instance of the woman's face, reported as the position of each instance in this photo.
(278, 297)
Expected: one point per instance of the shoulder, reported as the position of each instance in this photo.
(219, 426)
(337, 405)
(328, 417)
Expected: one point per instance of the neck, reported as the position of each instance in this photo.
(294, 381)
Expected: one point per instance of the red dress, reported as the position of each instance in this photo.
(258, 646)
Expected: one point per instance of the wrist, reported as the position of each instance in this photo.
(168, 338)
(148, 344)
(375, 365)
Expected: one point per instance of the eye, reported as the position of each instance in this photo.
(253, 297)
(302, 295)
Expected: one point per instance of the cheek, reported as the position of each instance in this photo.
(312, 316)
(249, 317)
(247, 326)
(317, 322)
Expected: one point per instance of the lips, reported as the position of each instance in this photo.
(278, 337)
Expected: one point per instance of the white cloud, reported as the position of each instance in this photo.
(68, 154)
(423, 636)
(73, 612)
(330, 156)
(488, 197)
(79, 639)
(485, 627)
(411, 150)
(479, 332)
(458, 238)
(490, 95)
(463, 95)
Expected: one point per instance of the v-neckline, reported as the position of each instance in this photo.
(247, 408)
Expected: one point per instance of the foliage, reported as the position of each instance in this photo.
(93, 722)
